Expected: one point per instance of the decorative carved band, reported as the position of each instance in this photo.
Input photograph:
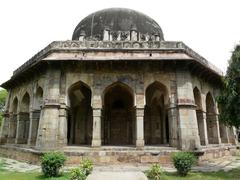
(83, 45)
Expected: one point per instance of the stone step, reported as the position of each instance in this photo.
(117, 176)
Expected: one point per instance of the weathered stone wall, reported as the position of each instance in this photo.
(48, 115)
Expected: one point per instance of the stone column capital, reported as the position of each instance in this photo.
(139, 112)
(97, 112)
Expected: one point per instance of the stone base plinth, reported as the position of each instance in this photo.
(96, 143)
(109, 155)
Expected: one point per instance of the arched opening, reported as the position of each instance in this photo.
(118, 115)
(80, 115)
(156, 126)
(212, 129)
(223, 129)
(199, 114)
(24, 120)
(223, 133)
(13, 121)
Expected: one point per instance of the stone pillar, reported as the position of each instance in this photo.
(5, 122)
(202, 127)
(4, 128)
(218, 125)
(205, 128)
(96, 137)
(139, 127)
(173, 115)
(164, 126)
(188, 128)
(22, 128)
(33, 129)
(62, 126)
(12, 128)
(233, 135)
(223, 133)
(47, 138)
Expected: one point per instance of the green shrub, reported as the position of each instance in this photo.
(81, 173)
(154, 173)
(51, 163)
(183, 162)
(87, 166)
(78, 174)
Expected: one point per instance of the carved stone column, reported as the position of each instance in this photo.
(202, 127)
(6, 118)
(12, 128)
(173, 115)
(218, 131)
(33, 129)
(205, 128)
(4, 128)
(96, 137)
(139, 127)
(62, 127)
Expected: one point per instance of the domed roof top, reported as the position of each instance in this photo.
(117, 20)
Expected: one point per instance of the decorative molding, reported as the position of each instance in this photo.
(120, 45)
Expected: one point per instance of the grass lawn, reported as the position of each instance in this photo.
(231, 175)
(7, 175)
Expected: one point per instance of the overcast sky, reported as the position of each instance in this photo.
(210, 27)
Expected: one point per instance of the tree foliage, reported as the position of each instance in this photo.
(229, 99)
(3, 95)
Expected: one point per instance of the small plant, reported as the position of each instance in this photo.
(51, 163)
(87, 166)
(78, 174)
(2, 164)
(183, 162)
(81, 173)
(154, 173)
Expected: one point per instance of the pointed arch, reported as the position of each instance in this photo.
(13, 120)
(156, 125)
(118, 113)
(199, 114)
(39, 98)
(80, 114)
(14, 106)
(23, 120)
(212, 128)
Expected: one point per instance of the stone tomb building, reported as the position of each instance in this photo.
(119, 87)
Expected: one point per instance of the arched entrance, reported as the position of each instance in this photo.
(80, 115)
(199, 114)
(118, 115)
(24, 120)
(212, 128)
(156, 127)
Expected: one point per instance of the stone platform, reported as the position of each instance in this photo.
(117, 155)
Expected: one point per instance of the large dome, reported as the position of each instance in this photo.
(117, 20)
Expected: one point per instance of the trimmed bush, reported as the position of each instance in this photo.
(51, 163)
(154, 173)
(183, 162)
(78, 174)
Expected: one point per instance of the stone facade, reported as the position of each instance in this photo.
(136, 92)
